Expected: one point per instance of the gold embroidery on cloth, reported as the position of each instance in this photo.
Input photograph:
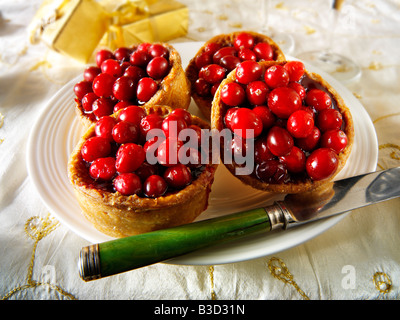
(211, 272)
(37, 228)
(382, 282)
(280, 271)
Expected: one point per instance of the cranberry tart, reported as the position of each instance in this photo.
(286, 126)
(220, 55)
(146, 74)
(126, 184)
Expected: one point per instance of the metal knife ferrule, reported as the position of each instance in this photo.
(279, 216)
(89, 263)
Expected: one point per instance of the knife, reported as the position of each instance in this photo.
(124, 254)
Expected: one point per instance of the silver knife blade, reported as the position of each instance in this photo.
(337, 198)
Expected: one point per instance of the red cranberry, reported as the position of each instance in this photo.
(103, 168)
(158, 50)
(300, 124)
(225, 51)
(158, 68)
(130, 156)
(124, 88)
(295, 160)
(202, 87)
(295, 69)
(121, 105)
(82, 88)
(283, 101)
(203, 60)
(246, 123)
(87, 101)
(122, 54)
(132, 114)
(329, 119)
(244, 40)
(103, 55)
(212, 73)
(178, 176)
(261, 151)
(184, 114)
(311, 141)
(90, 73)
(146, 89)
(94, 148)
(276, 76)
(264, 51)
(167, 153)
(229, 62)
(128, 184)
(248, 71)
(232, 94)
(150, 122)
(112, 67)
(228, 116)
(279, 141)
(103, 85)
(257, 92)
(124, 132)
(266, 116)
(135, 73)
(298, 88)
(212, 47)
(144, 46)
(146, 170)
(103, 127)
(102, 107)
(318, 99)
(247, 54)
(271, 171)
(322, 164)
(172, 125)
(154, 186)
(139, 58)
(334, 139)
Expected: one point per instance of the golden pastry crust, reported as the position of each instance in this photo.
(204, 103)
(174, 90)
(119, 216)
(217, 122)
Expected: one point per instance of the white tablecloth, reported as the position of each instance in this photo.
(358, 258)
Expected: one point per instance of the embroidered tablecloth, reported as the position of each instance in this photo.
(358, 258)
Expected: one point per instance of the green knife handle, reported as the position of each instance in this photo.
(124, 254)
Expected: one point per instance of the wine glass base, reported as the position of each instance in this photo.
(284, 41)
(338, 66)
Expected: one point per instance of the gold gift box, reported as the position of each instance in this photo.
(77, 27)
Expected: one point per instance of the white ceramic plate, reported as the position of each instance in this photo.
(57, 130)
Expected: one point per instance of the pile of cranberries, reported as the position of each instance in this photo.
(295, 125)
(127, 76)
(118, 153)
(218, 60)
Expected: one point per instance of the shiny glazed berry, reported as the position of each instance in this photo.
(90, 73)
(135, 73)
(184, 114)
(202, 87)
(128, 184)
(261, 151)
(212, 73)
(146, 89)
(279, 141)
(102, 107)
(295, 160)
(178, 176)
(322, 164)
(139, 58)
(264, 51)
(94, 148)
(225, 51)
(310, 142)
(124, 88)
(295, 69)
(87, 101)
(172, 125)
(121, 105)
(283, 101)
(298, 88)
(158, 50)
(266, 116)
(246, 123)
(103, 127)
(122, 54)
(257, 92)
(103, 85)
(82, 88)
(272, 171)
(158, 68)
(248, 71)
(203, 60)
(132, 114)
(103, 168)
(124, 132)
(103, 55)
(243, 40)
(247, 54)
(329, 119)
(276, 76)
(232, 94)
(334, 139)
(150, 122)
(229, 62)
(154, 186)
(130, 156)
(300, 124)
(228, 116)
(112, 67)
(168, 151)
(318, 99)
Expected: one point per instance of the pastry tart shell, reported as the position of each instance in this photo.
(119, 216)
(204, 103)
(293, 187)
(174, 89)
